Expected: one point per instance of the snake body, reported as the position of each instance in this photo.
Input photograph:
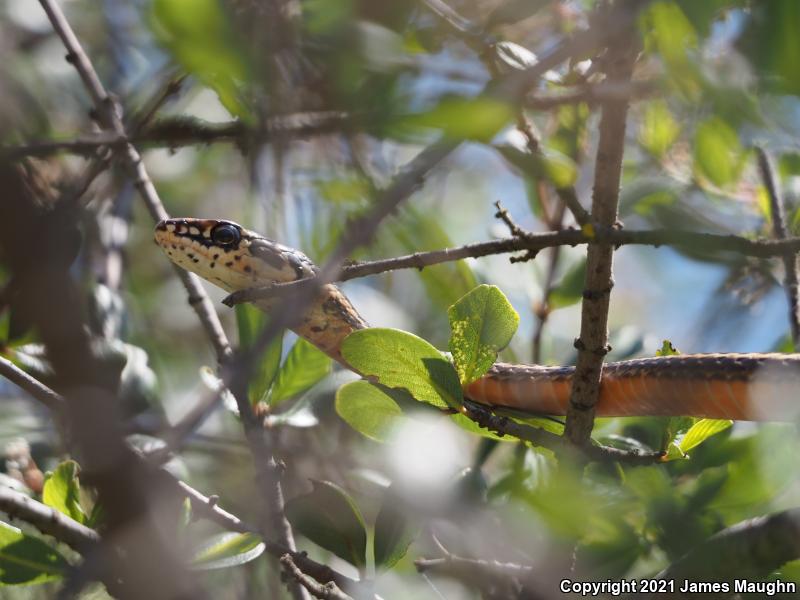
(720, 386)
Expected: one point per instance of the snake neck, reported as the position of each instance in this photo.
(328, 322)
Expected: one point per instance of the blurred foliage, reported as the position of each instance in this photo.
(388, 468)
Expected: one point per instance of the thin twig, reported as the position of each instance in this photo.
(592, 344)
(592, 94)
(790, 265)
(495, 579)
(534, 242)
(208, 508)
(175, 132)
(267, 468)
(324, 591)
(47, 520)
(33, 386)
(107, 113)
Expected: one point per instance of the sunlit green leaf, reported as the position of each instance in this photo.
(667, 349)
(659, 129)
(718, 155)
(482, 323)
(62, 491)
(304, 366)
(329, 517)
(227, 549)
(570, 289)
(701, 431)
(26, 560)
(399, 359)
(368, 409)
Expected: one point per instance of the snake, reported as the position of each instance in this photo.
(743, 386)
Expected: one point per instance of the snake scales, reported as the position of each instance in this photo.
(721, 386)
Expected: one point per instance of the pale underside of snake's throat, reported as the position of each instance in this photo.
(721, 386)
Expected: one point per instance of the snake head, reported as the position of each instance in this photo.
(228, 255)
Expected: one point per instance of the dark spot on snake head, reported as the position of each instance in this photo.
(247, 268)
(266, 251)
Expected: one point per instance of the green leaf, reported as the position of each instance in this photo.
(570, 290)
(718, 155)
(200, 37)
(62, 491)
(394, 532)
(558, 168)
(659, 130)
(26, 560)
(461, 118)
(667, 349)
(304, 366)
(398, 359)
(444, 283)
(250, 322)
(368, 409)
(227, 550)
(771, 42)
(668, 32)
(328, 517)
(343, 190)
(701, 431)
(482, 323)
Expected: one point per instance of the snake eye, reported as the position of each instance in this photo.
(225, 234)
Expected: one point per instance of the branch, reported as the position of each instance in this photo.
(770, 179)
(47, 520)
(325, 591)
(267, 469)
(208, 508)
(592, 94)
(181, 131)
(592, 344)
(537, 436)
(534, 242)
(107, 113)
(33, 386)
(503, 579)
(751, 548)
